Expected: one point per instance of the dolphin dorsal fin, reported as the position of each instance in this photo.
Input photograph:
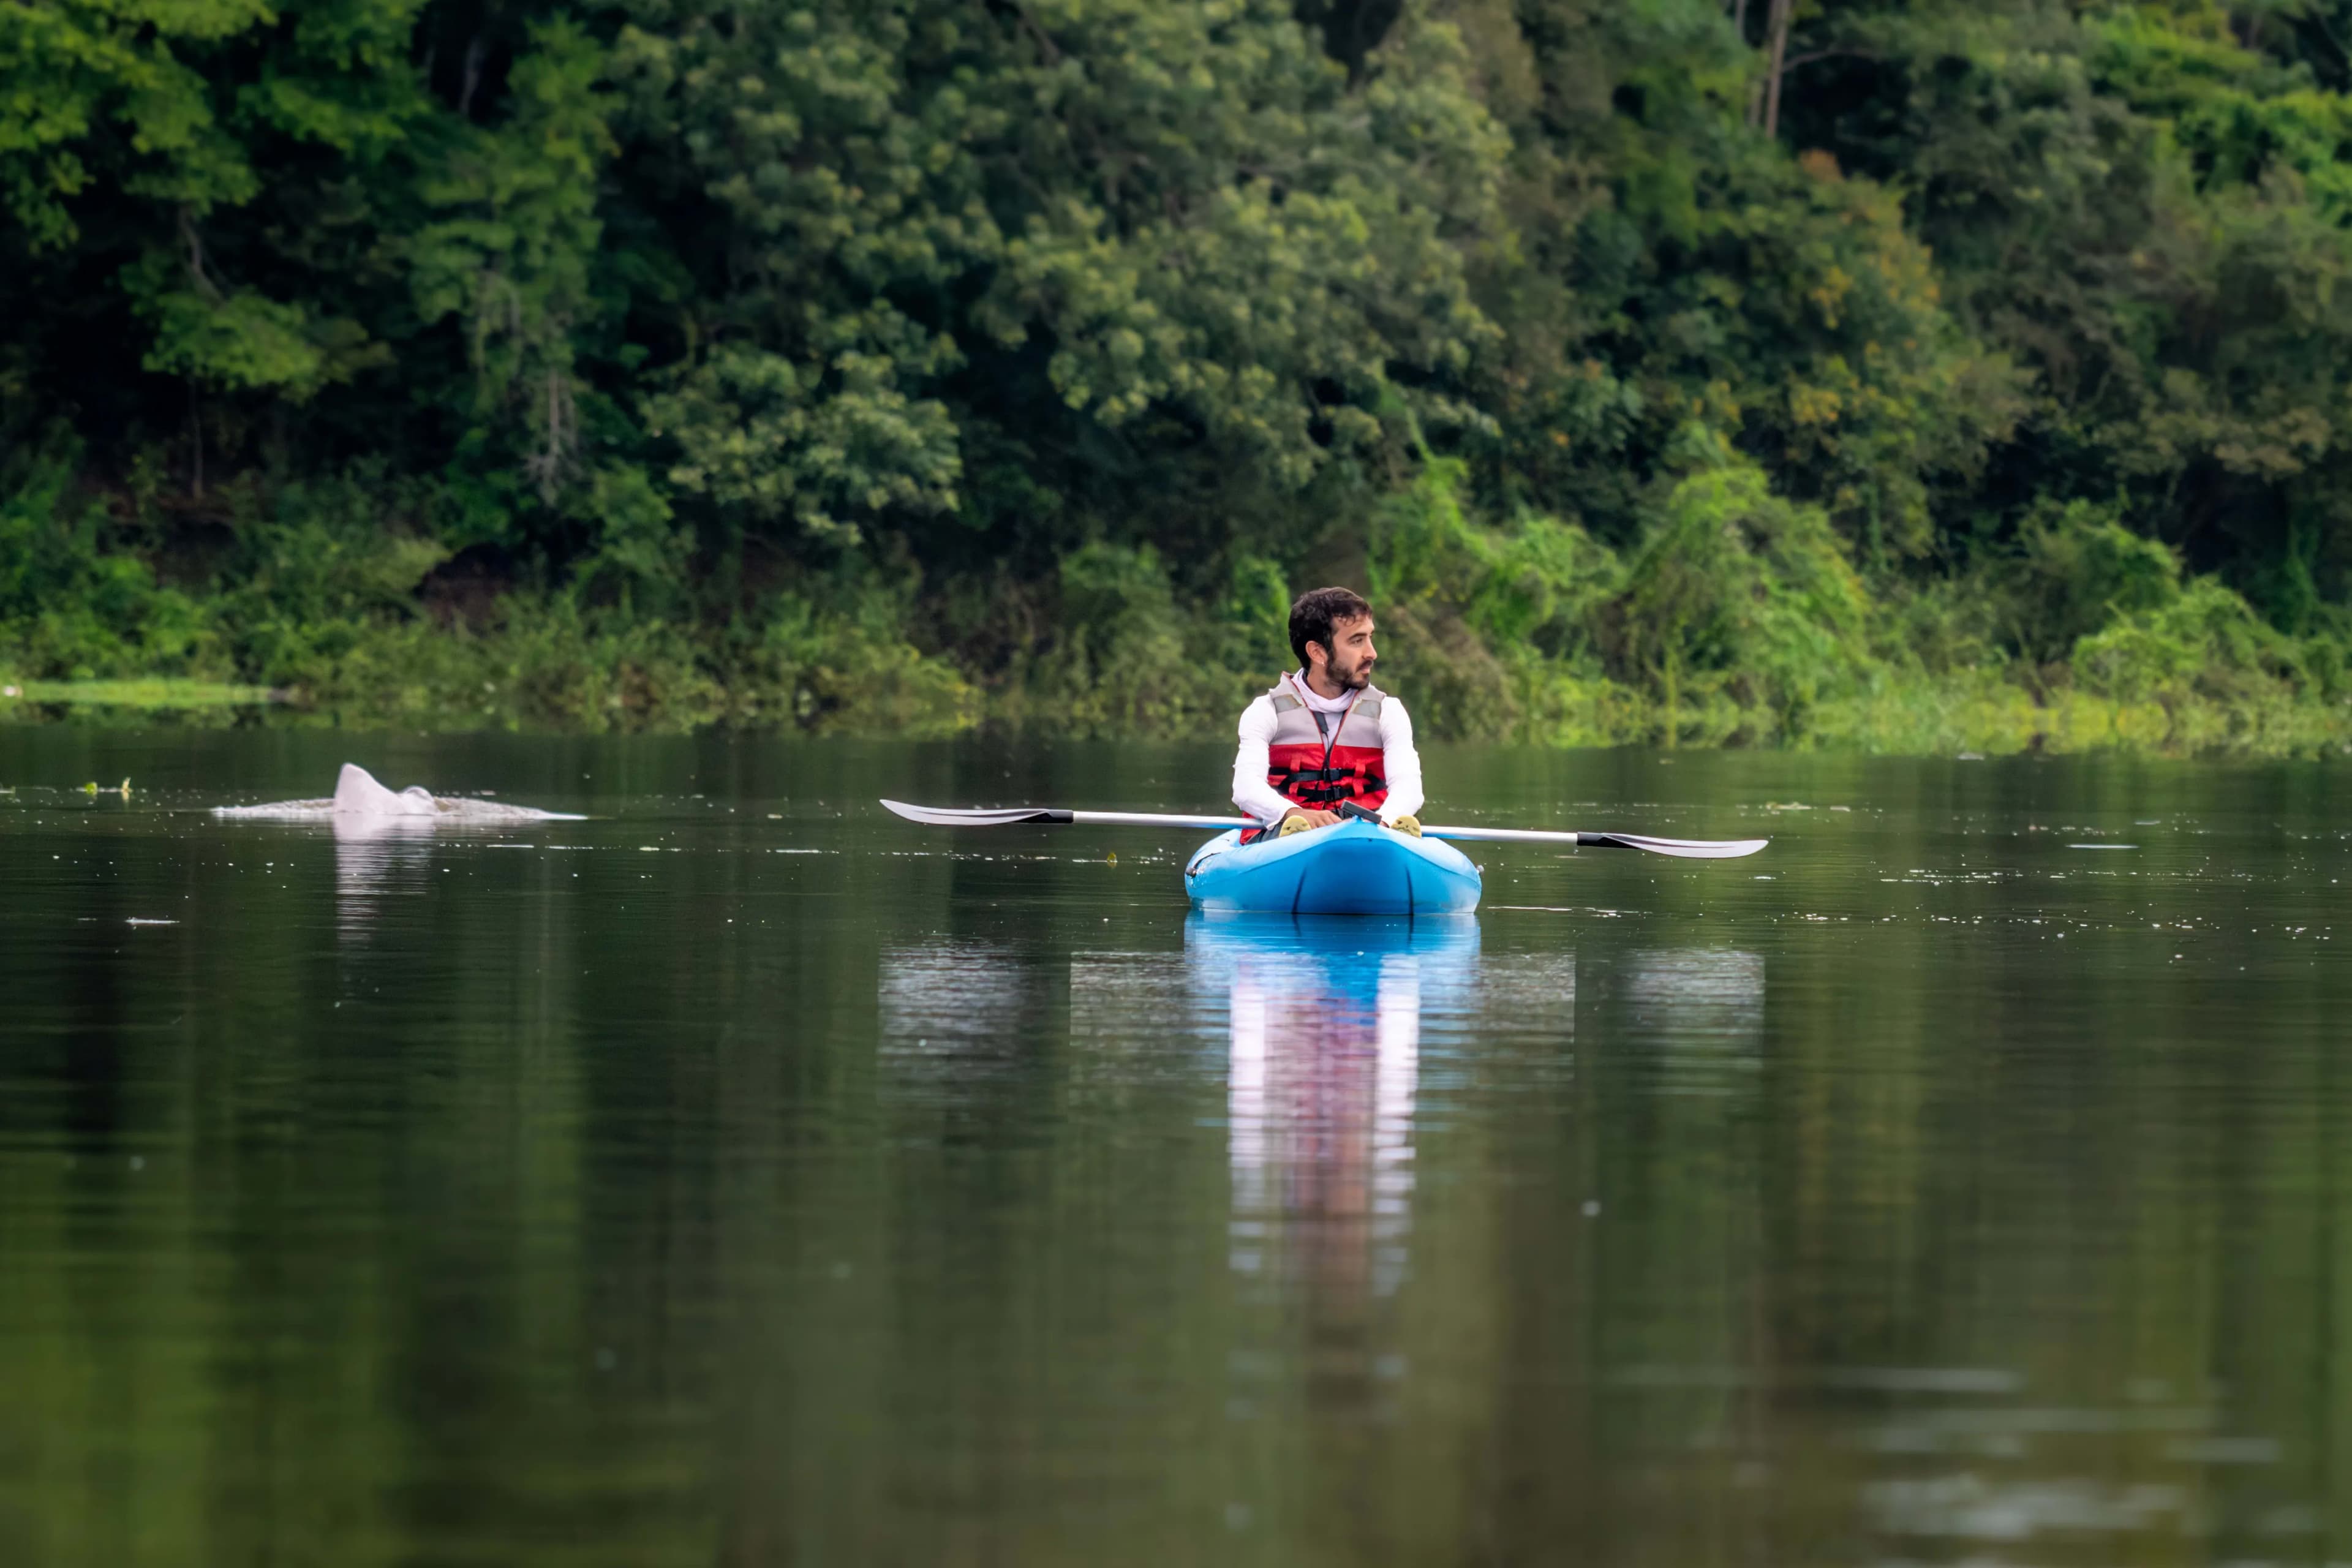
(357, 794)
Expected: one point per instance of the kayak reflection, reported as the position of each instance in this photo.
(1323, 1032)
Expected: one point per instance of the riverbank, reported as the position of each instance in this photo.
(578, 681)
(1736, 618)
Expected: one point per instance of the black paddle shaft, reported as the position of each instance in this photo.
(1349, 808)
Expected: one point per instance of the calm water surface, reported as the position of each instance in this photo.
(745, 1177)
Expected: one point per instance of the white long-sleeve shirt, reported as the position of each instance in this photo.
(1400, 763)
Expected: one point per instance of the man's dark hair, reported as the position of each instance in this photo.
(1314, 611)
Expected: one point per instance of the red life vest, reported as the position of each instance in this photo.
(1317, 760)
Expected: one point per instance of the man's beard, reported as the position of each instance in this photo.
(1351, 679)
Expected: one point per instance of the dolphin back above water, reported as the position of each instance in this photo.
(357, 794)
(359, 798)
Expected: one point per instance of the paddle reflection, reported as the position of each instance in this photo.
(1694, 1017)
(961, 1018)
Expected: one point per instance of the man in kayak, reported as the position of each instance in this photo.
(1326, 735)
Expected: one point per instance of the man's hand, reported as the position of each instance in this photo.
(1299, 819)
(1407, 825)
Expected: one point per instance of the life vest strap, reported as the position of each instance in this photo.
(1290, 775)
(1324, 794)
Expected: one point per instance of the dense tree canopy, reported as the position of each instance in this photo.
(1834, 370)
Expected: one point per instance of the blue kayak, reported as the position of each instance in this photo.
(1353, 868)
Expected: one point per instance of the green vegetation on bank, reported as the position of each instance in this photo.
(1795, 372)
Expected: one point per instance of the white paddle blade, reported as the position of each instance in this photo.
(956, 817)
(1682, 849)
(986, 816)
(1687, 848)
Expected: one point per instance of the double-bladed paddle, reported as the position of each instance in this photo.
(954, 816)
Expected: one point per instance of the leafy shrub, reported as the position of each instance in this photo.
(71, 605)
(1737, 593)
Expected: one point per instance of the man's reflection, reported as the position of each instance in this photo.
(1323, 1030)
(1319, 1100)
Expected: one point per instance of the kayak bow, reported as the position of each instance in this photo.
(1353, 868)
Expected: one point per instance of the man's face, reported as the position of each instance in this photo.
(1349, 666)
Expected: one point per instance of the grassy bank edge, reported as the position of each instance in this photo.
(1980, 712)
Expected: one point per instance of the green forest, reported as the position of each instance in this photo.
(1814, 372)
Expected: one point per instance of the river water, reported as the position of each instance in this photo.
(743, 1176)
